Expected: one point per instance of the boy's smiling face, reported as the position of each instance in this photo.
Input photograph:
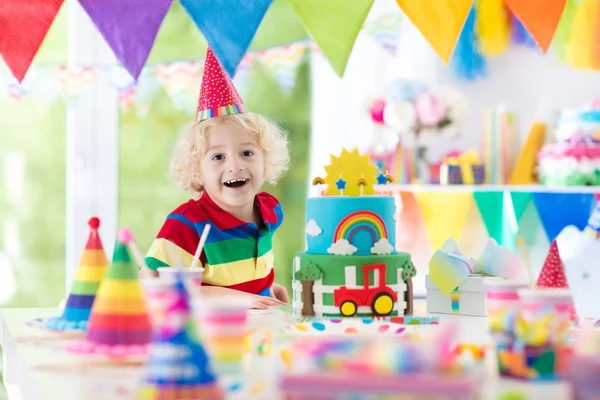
(233, 167)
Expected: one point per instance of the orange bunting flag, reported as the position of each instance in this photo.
(540, 17)
(439, 21)
(23, 27)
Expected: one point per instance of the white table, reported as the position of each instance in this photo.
(31, 358)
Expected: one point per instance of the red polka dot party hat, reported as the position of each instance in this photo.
(553, 271)
(218, 95)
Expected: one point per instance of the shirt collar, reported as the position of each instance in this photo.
(224, 220)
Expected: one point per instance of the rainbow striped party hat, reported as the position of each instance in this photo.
(91, 271)
(119, 324)
(177, 366)
(218, 95)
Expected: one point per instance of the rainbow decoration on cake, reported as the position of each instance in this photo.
(119, 324)
(359, 221)
(177, 366)
(91, 271)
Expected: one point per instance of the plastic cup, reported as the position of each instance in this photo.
(194, 276)
(223, 325)
(542, 329)
(502, 301)
(157, 293)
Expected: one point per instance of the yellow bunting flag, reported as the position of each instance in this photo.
(540, 17)
(440, 22)
(580, 50)
(334, 25)
(492, 26)
(444, 214)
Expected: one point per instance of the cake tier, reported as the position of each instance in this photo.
(341, 225)
(375, 284)
(557, 170)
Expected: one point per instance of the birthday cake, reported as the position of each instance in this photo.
(574, 160)
(351, 267)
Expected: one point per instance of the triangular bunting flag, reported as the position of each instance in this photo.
(283, 62)
(520, 201)
(73, 80)
(178, 80)
(440, 22)
(228, 26)
(386, 31)
(491, 205)
(574, 209)
(334, 25)
(23, 27)
(129, 27)
(444, 214)
(539, 17)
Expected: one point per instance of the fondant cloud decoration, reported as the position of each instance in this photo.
(383, 246)
(313, 229)
(342, 248)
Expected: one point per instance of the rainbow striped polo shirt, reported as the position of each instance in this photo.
(236, 255)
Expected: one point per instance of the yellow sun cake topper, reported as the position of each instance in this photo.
(349, 173)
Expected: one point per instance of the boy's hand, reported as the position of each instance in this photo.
(280, 293)
(263, 302)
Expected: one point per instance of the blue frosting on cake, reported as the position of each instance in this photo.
(346, 225)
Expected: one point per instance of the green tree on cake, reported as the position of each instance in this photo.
(308, 274)
(408, 272)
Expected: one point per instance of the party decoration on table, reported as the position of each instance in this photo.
(540, 18)
(178, 367)
(23, 27)
(119, 324)
(466, 165)
(440, 22)
(580, 252)
(500, 143)
(492, 26)
(455, 283)
(89, 274)
(439, 223)
(129, 27)
(334, 25)
(575, 209)
(344, 171)
(218, 95)
(552, 274)
(228, 28)
(524, 171)
(467, 62)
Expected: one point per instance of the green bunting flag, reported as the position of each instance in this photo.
(334, 25)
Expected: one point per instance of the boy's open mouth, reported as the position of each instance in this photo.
(236, 183)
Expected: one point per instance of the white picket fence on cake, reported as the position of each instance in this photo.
(350, 282)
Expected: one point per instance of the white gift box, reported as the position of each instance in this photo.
(469, 299)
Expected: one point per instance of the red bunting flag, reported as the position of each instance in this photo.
(23, 27)
(540, 17)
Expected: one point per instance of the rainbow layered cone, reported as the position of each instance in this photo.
(91, 271)
(178, 367)
(119, 324)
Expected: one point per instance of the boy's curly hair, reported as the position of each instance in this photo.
(184, 167)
